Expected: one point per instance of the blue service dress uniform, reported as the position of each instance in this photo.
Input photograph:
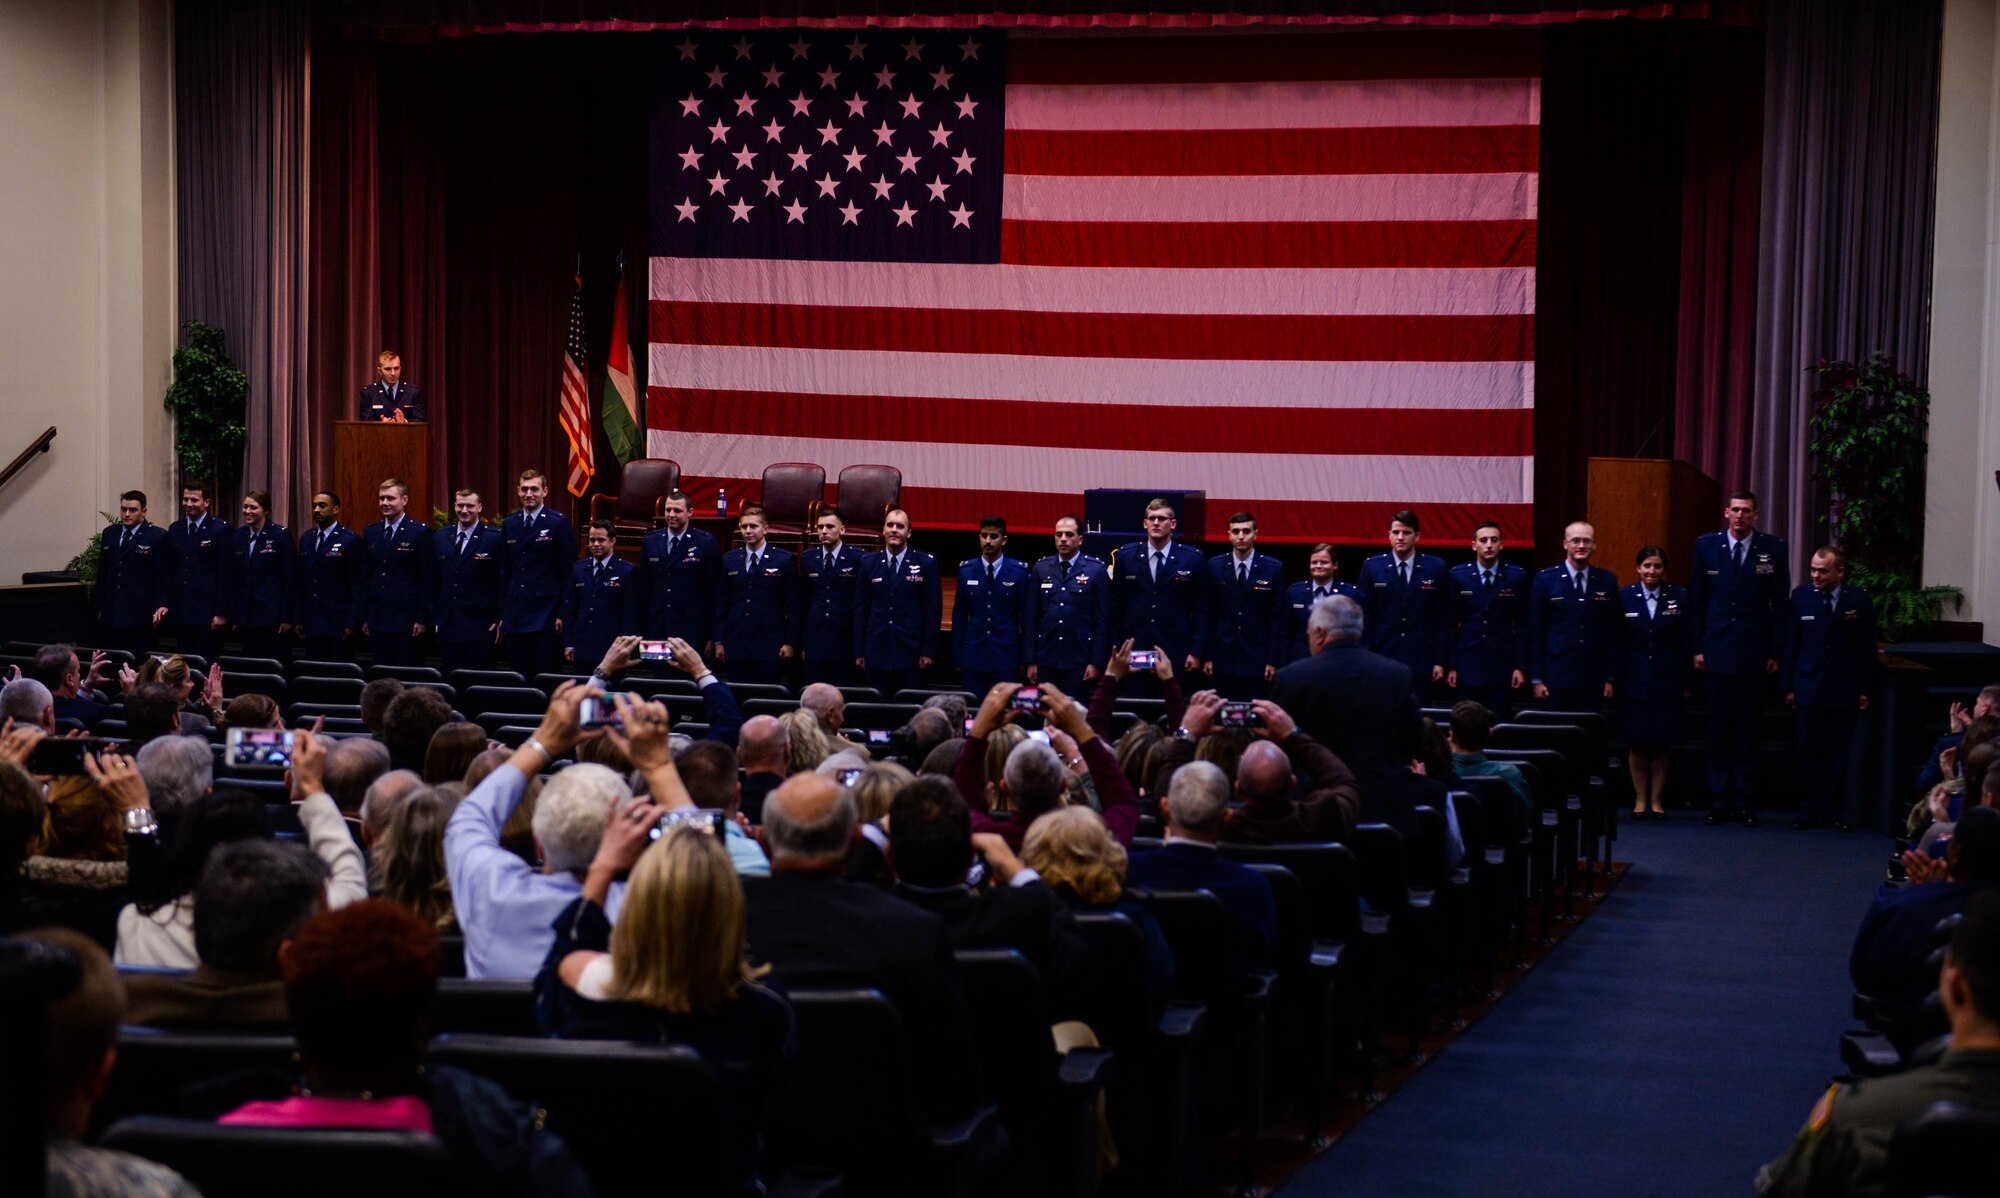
(1829, 664)
(896, 618)
(1655, 659)
(536, 554)
(199, 591)
(680, 574)
(1068, 620)
(829, 580)
(1489, 619)
(753, 612)
(377, 401)
(465, 595)
(399, 570)
(986, 625)
(1299, 600)
(134, 570)
(1573, 636)
(333, 590)
(1246, 623)
(601, 606)
(1407, 613)
(1169, 611)
(262, 563)
(1737, 607)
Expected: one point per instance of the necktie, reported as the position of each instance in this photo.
(989, 573)
(251, 556)
(1652, 603)
(1242, 571)
(896, 566)
(597, 570)
(1319, 593)
(1576, 584)
(1066, 569)
(673, 542)
(463, 537)
(750, 564)
(1486, 577)
(1828, 596)
(1403, 569)
(1159, 559)
(125, 538)
(1739, 552)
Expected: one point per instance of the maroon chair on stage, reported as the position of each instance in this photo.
(791, 496)
(862, 496)
(642, 491)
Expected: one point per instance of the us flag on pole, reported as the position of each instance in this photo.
(1296, 272)
(573, 406)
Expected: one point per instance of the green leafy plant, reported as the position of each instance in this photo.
(207, 399)
(86, 562)
(1868, 440)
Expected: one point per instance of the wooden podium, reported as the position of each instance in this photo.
(367, 451)
(1635, 502)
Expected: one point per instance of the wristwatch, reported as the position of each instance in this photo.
(139, 821)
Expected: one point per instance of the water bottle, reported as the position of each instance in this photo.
(722, 503)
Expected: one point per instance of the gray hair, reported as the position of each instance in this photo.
(1338, 617)
(383, 796)
(571, 813)
(25, 701)
(816, 840)
(352, 766)
(952, 705)
(1198, 800)
(178, 771)
(1036, 779)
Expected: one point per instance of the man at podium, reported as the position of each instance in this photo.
(389, 397)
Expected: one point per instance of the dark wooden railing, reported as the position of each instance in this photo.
(40, 445)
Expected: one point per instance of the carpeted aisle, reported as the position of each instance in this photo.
(1670, 1046)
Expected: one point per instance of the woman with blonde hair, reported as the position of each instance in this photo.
(201, 706)
(809, 741)
(877, 788)
(999, 747)
(676, 968)
(1084, 865)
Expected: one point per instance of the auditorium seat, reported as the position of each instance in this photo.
(319, 669)
(550, 682)
(1587, 781)
(1544, 771)
(446, 689)
(1502, 859)
(252, 1162)
(464, 679)
(248, 665)
(912, 694)
(304, 713)
(513, 735)
(493, 721)
(863, 495)
(878, 715)
(861, 694)
(761, 690)
(313, 689)
(1405, 911)
(271, 685)
(154, 1067)
(791, 495)
(640, 504)
(654, 688)
(405, 673)
(1946, 1148)
(489, 1006)
(755, 707)
(477, 700)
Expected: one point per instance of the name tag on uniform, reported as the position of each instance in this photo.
(1048, 586)
(972, 582)
(1631, 615)
(1713, 573)
(1803, 619)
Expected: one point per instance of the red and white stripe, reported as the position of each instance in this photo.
(1296, 272)
(573, 413)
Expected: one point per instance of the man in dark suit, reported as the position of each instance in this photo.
(1246, 624)
(897, 613)
(1574, 619)
(603, 599)
(389, 398)
(399, 552)
(829, 579)
(1322, 580)
(1158, 597)
(754, 604)
(1196, 807)
(1405, 596)
(464, 605)
(1738, 589)
(333, 583)
(1488, 624)
(538, 547)
(986, 611)
(263, 561)
(198, 596)
(75, 696)
(1350, 699)
(134, 570)
(813, 927)
(680, 568)
(1829, 641)
(1067, 614)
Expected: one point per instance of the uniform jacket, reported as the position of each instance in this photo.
(896, 618)
(1068, 616)
(399, 570)
(1573, 639)
(1829, 658)
(333, 580)
(200, 588)
(1487, 624)
(1655, 652)
(680, 593)
(1172, 612)
(827, 585)
(132, 581)
(1246, 620)
(1406, 621)
(465, 588)
(1298, 611)
(599, 609)
(986, 618)
(375, 401)
(261, 579)
(536, 565)
(753, 611)
(1739, 609)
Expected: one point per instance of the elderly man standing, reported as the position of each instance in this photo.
(1350, 699)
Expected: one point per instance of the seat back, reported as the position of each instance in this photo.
(792, 490)
(864, 494)
(315, 689)
(476, 700)
(316, 669)
(847, 1103)
(755, 707)
(243, 665)
(1385, 868)
(1197, 929)
(1288, 895)
(1117, 1001)
(609, 1100)
(1328, 875)
(405, 673)
(488, 1006)
(1580, 758)
(466, 679)
(642, 485)
(272, 685)
(1010, 1025)
(251, 1162)
(878, 715)
(155, 1066)
(1946, 1148)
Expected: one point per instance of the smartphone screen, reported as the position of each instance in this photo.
(601, 711)
(1238, 715)
(1028, 698)
(655, 651)
(1040, 734)
(878, 736)
(259, 749)
(848, 776)
(1144, 659)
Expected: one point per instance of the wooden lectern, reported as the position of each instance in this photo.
(367, 451)
(1635, 502)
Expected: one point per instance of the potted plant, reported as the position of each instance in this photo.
(1868, 439)
(207, 399)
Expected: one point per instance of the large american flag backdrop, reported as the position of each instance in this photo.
(1296, 272)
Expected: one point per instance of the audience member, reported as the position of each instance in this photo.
(829, 706)
(359, 984)
(384, 795)
(252, 711)
(1471, 724)
(808, 742)
(483, 765)
(1986, 703)
(876, 789)
(1000, 745)
(1844, 1146)
(78, 876)
(1267, 777)
(1085, 866)
(406, 856)
(153, 711)
(942, 757)
(26, 701)
(352, 766)
(178, 772)
(451, 750)
(673, 970)
(1132, 748)
(1035, 780)
(84, 1015)
(928, 729)
(708, 771)
(24, 814)
(1350, 699)
(199, 696)
(840, 763)
(1894, 938)
(765, 753)
(375, 700)
(951, 705)
(253, 896)
(1166, 757)
(413, 718)
(76, 698)
(1104, 697)
(1195, 807)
